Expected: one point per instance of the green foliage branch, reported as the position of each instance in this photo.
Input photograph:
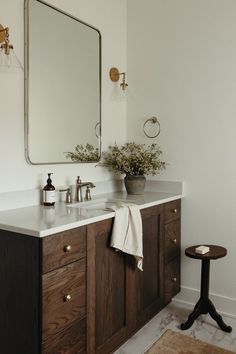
(83, 153)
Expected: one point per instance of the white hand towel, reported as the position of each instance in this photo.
(127, 232)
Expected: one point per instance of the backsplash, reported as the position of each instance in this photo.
(20, 199)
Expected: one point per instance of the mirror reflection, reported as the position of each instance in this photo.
(62, 95)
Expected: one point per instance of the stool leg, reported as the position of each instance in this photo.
(197, 311)
(205, 276)
(214, 314)
(202, 304)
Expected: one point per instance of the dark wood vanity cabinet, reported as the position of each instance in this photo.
(71, 293)
(43, 293)
(120, 297)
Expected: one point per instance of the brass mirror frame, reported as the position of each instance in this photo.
(26, 83)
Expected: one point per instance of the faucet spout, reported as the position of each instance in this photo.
(83, 184)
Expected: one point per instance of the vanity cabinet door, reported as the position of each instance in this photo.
(106, 290)
(145, 289)
(172, 249)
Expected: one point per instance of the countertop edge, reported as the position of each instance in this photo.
(108, 215)
(72, 225)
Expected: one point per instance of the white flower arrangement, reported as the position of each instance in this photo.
(133, 159)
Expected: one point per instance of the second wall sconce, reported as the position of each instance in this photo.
(7, 56)
(115, 76)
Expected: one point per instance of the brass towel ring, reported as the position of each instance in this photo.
(153, 120)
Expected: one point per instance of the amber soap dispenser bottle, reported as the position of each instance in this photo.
(49, 194)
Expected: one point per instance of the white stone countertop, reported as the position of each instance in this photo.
(40, 221)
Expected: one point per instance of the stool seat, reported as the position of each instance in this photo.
(214, 253)
(204, 304)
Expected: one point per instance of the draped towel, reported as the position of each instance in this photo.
(127, 232)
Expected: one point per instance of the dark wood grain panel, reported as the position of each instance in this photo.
(172, 210)
(55, 252)
(57, 312)
(172, 279)
(107, 289)
(172, 240)
(149, 279)
(20, 294)
(147, 286)
(70, 341)
(110, 290)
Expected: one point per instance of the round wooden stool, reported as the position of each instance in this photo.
(204, 304)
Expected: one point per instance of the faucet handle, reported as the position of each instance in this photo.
(87, 193)
(68, 195)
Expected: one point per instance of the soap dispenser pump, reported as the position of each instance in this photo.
(49, 194)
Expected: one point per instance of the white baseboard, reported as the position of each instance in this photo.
(226, 306)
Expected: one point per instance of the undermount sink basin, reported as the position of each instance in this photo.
(101, 204)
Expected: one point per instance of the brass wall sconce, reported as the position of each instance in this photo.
(115, 76)
(7, 55)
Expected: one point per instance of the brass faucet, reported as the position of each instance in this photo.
(79, 185)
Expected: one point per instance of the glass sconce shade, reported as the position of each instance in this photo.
(9, 60)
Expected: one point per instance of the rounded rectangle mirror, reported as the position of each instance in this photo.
(62, 85)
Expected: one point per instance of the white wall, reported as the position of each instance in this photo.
(16, 174)
(181, 66)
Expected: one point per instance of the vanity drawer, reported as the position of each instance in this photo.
(63, 297)
(172, 211)
(172, 279)
(172, 240)
(63, 248)
(70, 341)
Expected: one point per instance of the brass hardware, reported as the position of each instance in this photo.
(87, 194)
(174, 279)
(115, 75)
(175, 211)
(4, 38)
(67, 248)
(153, 120)
(2, 34)
(79, 185)
(67, 298)
(174, 240)
(68, 195)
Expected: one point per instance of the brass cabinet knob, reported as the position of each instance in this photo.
(67, 248)
(174, 241)
(174, 279)
(67, 298)
(175, 211)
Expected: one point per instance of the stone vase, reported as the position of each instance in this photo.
(135, 184)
